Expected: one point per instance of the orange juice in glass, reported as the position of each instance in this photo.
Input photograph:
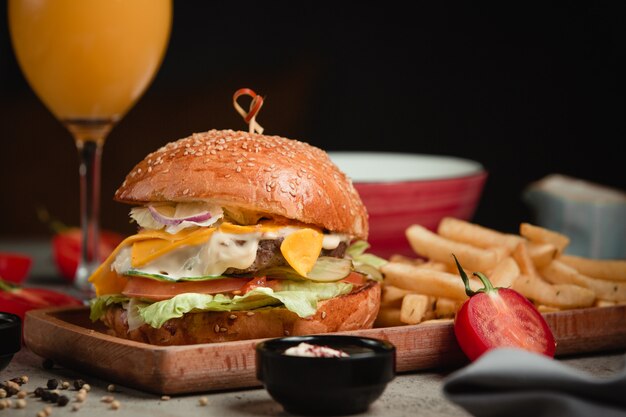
(89, 61)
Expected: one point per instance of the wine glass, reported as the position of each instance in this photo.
(89, 61)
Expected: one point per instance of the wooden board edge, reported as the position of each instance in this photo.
(419, 347)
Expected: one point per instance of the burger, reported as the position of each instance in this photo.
(240, 236)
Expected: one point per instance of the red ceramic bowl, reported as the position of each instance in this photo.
(402, 189)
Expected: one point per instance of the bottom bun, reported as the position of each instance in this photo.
(353, 311)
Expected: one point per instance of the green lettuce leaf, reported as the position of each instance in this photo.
(298, 297)
(99, 304)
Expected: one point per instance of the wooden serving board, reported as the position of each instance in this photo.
(67, 336)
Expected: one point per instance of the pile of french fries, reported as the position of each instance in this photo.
(428, 287)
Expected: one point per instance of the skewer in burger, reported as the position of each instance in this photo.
(241, 236)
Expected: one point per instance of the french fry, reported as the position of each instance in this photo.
(541, 253)
(505, 273)
(406, 259)
(521, 256)
(547, 309)
(560, 273)
(437, 321)
(388, 317)
(564, 296)
(437, 248)
(475, 235)
(446, 307)
(614, 270)
(420, 263)
(435, 266)
(392, 296)
(424, 281)
(416, 308)
(604, 303)
(539, 234)
(427, 288)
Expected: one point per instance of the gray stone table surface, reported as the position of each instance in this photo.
(409, 394)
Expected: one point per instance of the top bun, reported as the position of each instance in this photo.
(247, 171)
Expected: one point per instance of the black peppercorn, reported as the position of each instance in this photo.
(53, 383)
(45, 395)
(78, 384)
(39, 391)
(63, 400)
(54, 397)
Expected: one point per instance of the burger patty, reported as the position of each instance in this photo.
(268, 255)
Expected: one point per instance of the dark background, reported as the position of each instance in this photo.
(525, 90)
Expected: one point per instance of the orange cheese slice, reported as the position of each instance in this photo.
(107, 281)
(147, 250)
(302, 248)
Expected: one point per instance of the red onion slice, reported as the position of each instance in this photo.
(174, 221)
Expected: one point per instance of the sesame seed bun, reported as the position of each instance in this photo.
(268, 174)
(353, 311)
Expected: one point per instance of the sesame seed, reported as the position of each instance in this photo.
(238, 169)
(216, 329)
(323, 315)
(286, 332)
(250, 313)
(232, 316)
(186, 191)
(223, 329)
(165, 398)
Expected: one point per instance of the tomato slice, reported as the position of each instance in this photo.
(355, 278)
(501, 318)
(151, 289)
(138, 287)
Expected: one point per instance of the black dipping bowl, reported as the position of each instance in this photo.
(326, 386)
(11, 337)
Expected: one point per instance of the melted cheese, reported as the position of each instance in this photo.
(147, 250)
(207, 251)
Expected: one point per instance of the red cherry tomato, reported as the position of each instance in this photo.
(499, 317)
(14, 267)
(66, 249)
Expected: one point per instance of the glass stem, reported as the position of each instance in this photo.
(89, 135)
(90, 153)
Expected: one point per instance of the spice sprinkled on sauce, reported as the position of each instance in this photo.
(315, 351)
